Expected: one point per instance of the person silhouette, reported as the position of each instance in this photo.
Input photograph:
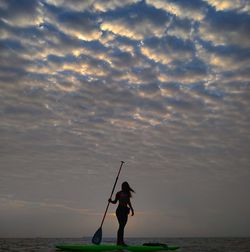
(123, 210)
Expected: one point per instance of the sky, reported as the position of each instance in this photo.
(161, 84)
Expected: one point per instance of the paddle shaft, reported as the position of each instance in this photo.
(122, 162)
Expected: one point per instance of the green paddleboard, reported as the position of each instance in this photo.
(107, 247)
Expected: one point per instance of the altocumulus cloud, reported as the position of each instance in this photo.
(161, 84)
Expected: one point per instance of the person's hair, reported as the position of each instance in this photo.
(127, 189)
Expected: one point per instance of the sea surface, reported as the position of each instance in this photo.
(186, 244)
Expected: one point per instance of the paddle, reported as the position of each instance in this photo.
(97, 238)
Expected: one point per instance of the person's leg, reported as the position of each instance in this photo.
(122, 225)
(122, 219)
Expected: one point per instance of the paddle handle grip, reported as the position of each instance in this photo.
(122, 162)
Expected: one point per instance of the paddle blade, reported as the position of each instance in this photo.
(97, 238)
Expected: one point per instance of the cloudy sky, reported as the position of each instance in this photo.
(161, 84)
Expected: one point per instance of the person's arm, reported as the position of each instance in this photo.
(132, 209)
(114, 201)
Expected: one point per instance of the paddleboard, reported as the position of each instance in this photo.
(108, 247)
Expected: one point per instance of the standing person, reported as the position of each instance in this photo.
(123, 210)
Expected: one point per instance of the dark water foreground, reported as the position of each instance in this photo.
(186, 244)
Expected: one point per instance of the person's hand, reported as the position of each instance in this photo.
(109, 200)
(132, 212)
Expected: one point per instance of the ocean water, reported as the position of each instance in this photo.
(186, 244)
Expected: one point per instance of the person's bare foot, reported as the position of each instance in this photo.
(122, 244)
